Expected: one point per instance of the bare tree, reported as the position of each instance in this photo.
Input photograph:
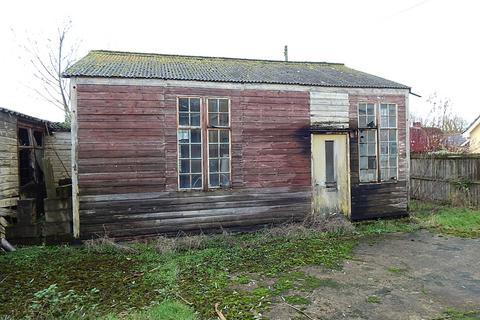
(441, 116)
(49, 60)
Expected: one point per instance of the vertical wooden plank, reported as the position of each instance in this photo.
(74, 128)
(407, 144)
(49, 179)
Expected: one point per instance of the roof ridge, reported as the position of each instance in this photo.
(149, 54)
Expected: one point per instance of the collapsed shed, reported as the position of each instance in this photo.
(35, 178)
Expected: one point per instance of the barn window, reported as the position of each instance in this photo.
(198, 158)
(367, 142)
(377, 140)
(189, 135)
(218, 143)
(388, 141)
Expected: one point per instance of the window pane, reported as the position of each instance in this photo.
(362, 110)
(383, 148)
(212, 136)
(196, 180)
(194, 104)
(384, 122)
(383, 161)
(392, 110)
(383, 110)
(213, 119)
(224, 164)
(329, 165)
(363, 149)
(213, 165)
(225, 179)
(223, 121)
(362, 121)
(370, 121)
(393, 173)
(214, 180)
(371, 135)
(393, 161)
(370, 109)
(183, 104)
(224, 136)
(196, 136)
(196, 166)
(393, 147)
(196, 151)
(184, 151)
(363, 162)
(183, 136)
(392, 122)
(223, 105)
(184, 181)
(212, 105)
(195, 119)
(224, 150)
(383, 135)
(213, 151)
(185, 166)
(392, 135)
(363, 175)
(183, 119)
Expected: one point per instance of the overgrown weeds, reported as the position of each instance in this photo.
(457, 221)
(105, 244)
(122, 280)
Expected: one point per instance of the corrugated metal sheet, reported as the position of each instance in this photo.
(112, 64)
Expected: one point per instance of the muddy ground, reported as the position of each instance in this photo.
(396, 276)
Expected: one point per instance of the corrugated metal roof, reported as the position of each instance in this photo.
(113, 64)
(52, 126)
(22, 115)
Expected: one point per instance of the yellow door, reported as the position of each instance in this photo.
(330, 174)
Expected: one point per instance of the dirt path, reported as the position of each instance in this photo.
(397, 276)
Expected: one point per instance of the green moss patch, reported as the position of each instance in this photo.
(296, 299)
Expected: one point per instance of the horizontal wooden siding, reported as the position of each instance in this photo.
(128, 151)
(8, 156)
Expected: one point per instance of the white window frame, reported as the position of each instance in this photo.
(183, 127)
(379, 137)
(377, 129)
(229, 129)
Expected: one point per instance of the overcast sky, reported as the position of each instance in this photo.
(430, 45)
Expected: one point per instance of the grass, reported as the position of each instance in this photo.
(184, 278)
(374, 299)
(449, 220)
(457, 221)
(167, 310)
(381, 226)
(141, 280)
(396, 270)
(454, 314)
(297, 299)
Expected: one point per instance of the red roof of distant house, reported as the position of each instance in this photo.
(424, 139)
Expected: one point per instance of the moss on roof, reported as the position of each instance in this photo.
(115, 64)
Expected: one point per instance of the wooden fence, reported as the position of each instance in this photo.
(453, 179)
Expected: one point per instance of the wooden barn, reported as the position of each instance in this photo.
(34, 170)
(168, 143)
